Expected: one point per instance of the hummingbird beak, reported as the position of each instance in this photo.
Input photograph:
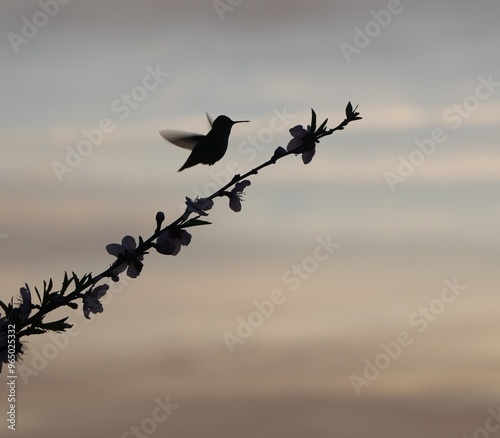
(242, 121)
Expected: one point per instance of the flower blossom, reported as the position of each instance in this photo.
(236, 194)
(170, 241)
(300, 137)
(91, 303)
(127, 255)
(199, 205)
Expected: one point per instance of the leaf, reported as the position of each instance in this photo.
(351, 114)
(4, 307)
(323, 125)
(47, 287)
(348, 110)
(65, 284)
(38, 294)
(195, 222)
(313, 121)
(56, 326)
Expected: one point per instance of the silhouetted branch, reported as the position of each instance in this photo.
(25, 318)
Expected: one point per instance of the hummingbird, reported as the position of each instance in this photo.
(206, 149)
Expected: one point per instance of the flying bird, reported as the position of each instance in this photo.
(206, 149)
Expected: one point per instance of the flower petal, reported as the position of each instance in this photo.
(307, 156)
(235, 203)
(114, 249)
(128, 242)
(120, 268)
(199, 205)
(294, 143)
(134, 269)
(298, 131)
(240, 186)
(205, 203)
(185, 238)
(168, 244)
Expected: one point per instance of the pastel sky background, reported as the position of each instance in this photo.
(161, 335)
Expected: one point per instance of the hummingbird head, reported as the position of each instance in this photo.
(226, 122)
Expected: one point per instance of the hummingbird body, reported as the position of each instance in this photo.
(206, 149)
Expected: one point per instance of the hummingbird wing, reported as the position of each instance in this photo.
(183, 139)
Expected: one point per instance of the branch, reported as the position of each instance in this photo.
(25, 318)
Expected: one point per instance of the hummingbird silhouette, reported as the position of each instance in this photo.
(206, 149)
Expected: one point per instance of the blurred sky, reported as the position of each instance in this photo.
(429, 69)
